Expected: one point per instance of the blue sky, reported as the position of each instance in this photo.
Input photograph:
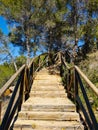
(3, 25)
(5, 29)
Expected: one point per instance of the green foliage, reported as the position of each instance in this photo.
(11, 8)
(59, 24)
(90, 68)
(39, 61)
(6, 71)
(20, 60)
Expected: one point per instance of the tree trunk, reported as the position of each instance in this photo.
(75, 30)
(28, 51)
(75, 22)
(15, 66)
(97, 43)
(50, 48)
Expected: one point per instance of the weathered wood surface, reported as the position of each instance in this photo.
(47, 125)
(49, 93)
(91, 85)
(48, 107)
(10, 81)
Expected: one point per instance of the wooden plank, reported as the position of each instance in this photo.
(48, 101)
(91, 85)
(48, 88)
(60, 93)
(9, 82)
(60, 116)
(47, 108)
(47, 125)
(49, 92)
(48, 104)
(0, 108)
(51, 108)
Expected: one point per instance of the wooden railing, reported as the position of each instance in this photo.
(75, 83)
(24, 79)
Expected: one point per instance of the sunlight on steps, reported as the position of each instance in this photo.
(48, 107)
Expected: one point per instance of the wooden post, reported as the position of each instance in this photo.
(67, 77)
(76, 89)
(0, 108)
(27, 83)
(68, 87)
(21, 91)
(39, 62)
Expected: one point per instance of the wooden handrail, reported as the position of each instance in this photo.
(31, 62)
(65, 63)
(90, 112)
(9, 82)
(25, 81)
(91, 85)
(34, 59)
(74, 89)
(23, 84)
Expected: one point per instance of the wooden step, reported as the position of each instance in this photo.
(48, 107)
(48, 104)
(47, 125)
(45, 83)
(44, 76)
(48, 93)
(60, 116)
(47, 76)
(47, 88)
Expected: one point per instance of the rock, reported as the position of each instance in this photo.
(91, 100)
(97, 109)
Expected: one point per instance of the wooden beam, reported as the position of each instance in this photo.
(9, 82)
(91, 85)
(0, 108)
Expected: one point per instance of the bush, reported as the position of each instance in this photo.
(6, 72)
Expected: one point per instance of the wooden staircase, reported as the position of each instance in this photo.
(48, 107)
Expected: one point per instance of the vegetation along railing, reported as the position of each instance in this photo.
(75, 83)
(23, 79)
(74, 80)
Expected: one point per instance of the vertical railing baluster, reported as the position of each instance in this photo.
(69, 80)
(76, 93)
(88, 105)
(39, 62)
(31, 73)
(67, 75)
(21, 91)
(0, 108)
(33, 70)
(27, 78)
